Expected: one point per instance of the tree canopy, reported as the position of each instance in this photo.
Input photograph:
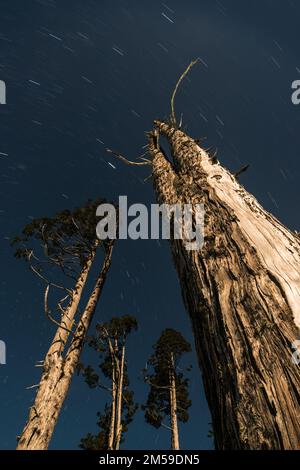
(168, 352)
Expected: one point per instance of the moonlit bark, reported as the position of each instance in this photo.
(173, 406)
(58, 372)
(111, 432)
(118, 432)
(242, 292)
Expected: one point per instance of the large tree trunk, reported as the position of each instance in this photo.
(242, 292)
(57, 376)
(118, 432)
(173, 407)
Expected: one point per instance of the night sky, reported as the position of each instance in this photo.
(83, 75)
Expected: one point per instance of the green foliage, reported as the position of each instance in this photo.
(56, 250)
(116, 331)
(98, 441)
(167, 355)
(66, 238)
(117, 328)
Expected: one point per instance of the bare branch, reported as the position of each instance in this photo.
(148, 178)
(48, 312)
(141, 157)
(165, 426)
(241, 170)
(32, 386)
(48, 282)
(128, 162)
(166, 387)
(83, 238)
(59, 325)
(104, 387)
(173, 117)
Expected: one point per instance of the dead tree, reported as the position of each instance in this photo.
(242, 292)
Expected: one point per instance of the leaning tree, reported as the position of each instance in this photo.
(241, 289)
(61, 252)
(168, 396)
(110, 344)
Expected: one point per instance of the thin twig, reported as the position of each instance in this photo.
(32, 386)
(46, 280)
(148, 178)
(128, 162)
(173, 117)
(48, 312)
(165, 426)
(161, 387)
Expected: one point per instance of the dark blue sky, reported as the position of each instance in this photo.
(84, 72)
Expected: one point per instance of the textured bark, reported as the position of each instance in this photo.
(62, 334)
(111, 433)
(242, 292)
(118, 432)
(173, 408)
(57, 376)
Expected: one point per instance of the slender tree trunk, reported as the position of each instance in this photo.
(242, 292)
(53, 359)
(57, 377)
(118, 433)
(62, 334)
(111, 434)
(173, 407)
